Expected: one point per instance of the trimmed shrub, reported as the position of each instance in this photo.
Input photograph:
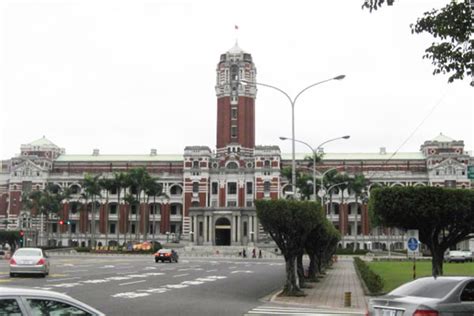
(350, 251)
(372, 280)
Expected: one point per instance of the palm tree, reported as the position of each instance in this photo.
(139, 178)
(45, 203)
(129, 200)
(330, 180)
(119, 182)
(92, 190)
(107, 185)
(344, 180)
(154, 189)
(357, 186)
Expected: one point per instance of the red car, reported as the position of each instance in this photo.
(166, 255)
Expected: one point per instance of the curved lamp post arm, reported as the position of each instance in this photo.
(268, 86)
(315, 84)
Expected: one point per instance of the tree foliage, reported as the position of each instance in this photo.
(451, 26)
(289, 223)
(443, 217)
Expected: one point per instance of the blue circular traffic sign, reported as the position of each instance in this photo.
(413, 244)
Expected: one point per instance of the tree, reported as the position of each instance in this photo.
(452, 25)
(344, 180)
(443, 217)
(92, 190)
(154, 189)
(304, 183)
(120, 182)
(108, 185)
(45, 203)
(138, 180)
(321, 245)
(357, 186)
(289, 223)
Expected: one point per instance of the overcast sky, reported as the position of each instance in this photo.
(128, 76)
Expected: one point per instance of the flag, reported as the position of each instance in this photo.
(236, 27)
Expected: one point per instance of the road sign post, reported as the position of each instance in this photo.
(413, 247)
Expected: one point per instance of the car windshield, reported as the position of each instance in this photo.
(28, 253)
(428, 287)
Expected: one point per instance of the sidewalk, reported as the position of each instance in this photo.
(329, 292)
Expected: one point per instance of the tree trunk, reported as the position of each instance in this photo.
(291, 286)
(300, 270)
(312, 270)
(437, 262)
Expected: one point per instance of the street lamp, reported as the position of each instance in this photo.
(315, 151)
(292, 102)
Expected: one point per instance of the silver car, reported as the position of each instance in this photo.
(427, 297)
(22, 301)
(29, 261)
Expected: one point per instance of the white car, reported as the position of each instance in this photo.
(29, 261)
(427, 297)
(23, 301)
(468, 255)
(455, 256)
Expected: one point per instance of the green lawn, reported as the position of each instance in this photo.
(396, 273)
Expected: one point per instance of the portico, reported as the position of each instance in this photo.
(223, 226)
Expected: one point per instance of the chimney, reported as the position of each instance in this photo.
(95, 152)
(153, 152)
(383, 150)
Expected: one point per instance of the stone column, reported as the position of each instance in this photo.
(239, 225)
(205, 228)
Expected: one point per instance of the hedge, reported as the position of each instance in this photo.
(372, 280)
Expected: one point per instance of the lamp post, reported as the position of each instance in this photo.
(292, 102)
(314, 151)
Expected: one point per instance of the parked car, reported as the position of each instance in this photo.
(26, 301)
(166, 255)
(468, 255)
(455, 256)
(427, 296)
(29, 261)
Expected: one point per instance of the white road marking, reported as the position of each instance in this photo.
(242, 271)
(128, 272)
(233, 267)
(211, 270)
(149, 268)
(63, 279)
(180, 275)
(132, 282)
(108, 267)
(77, 270)
(130, 295)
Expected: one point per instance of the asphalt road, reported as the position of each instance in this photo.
(133, 285)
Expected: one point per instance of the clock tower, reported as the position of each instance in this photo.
(235, 102)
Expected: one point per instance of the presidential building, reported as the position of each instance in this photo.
(209, 193)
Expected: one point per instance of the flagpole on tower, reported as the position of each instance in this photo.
(236, 28)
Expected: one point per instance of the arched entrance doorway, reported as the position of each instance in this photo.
(222, 232)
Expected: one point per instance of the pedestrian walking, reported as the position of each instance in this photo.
(260, 253)
(254, 253)
(244, 254)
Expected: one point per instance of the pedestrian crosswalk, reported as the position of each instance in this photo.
(290, 310)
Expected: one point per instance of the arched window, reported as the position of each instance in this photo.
(232, 165)
(266, 187)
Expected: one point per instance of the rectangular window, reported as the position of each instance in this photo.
(233, 131)
(134, 209)
(195, 187)
(234, 113)
(173, 228)
(201, 228)
(249, 186)
(231, 203)
(113, 209)
(112, 228)
(55, 228)
(249, 204)
(245, 229)
(232, 188)
(73, 228)
(133, 229)
(215, 188)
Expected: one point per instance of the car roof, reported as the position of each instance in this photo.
(25, 248)
(13, 291)
(164, 249)
(454, 278)
(21, 291)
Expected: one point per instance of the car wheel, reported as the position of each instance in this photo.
(12, 275)
(156, 260)
(43, 275)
